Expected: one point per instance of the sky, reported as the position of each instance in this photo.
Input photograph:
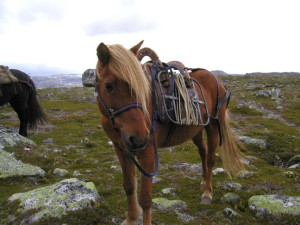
(44, 37)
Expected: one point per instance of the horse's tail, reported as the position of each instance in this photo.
(36, 113)
(230, 153)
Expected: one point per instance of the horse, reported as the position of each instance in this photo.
(22, 96)
(125, 100)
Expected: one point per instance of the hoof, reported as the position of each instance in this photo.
(206, 200)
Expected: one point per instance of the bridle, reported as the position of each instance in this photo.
(112, 113)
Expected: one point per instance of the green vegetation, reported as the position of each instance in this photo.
(79, 143)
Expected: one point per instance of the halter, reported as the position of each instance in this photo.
(112, 113)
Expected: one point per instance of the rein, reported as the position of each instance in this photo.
(112, 113)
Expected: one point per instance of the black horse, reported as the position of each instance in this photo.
(22, 96)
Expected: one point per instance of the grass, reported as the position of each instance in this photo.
(73, 126)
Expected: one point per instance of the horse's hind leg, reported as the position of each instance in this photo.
(130, 187)
(208, 158)
(21, 108)
(213, 139)
(200, 143)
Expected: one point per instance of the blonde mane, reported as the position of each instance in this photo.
(125, 66)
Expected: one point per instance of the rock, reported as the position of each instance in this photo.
(156, 179)
(289, 174)
(57, 199)
(275, 204)
(89, 78)
(231, 186)
(169, 191)
(10, 167)
(9, 138)
(254, 141)
(294, 160)
(76, 173)
(263, 93)
(165, 204)
(229, 213)
(294, 166)
(218, 171)
(60, 172)
(245, 174)
(275, 93)
(230, 198)
(239, 106)
(48, 141)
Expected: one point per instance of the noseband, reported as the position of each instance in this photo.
(112, 113)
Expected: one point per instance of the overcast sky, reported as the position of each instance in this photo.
(236, 36)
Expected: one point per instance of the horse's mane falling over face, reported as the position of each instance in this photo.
(125, 66)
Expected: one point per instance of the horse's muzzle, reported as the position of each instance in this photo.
(134, 143)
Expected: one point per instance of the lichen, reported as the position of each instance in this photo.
(275, 204)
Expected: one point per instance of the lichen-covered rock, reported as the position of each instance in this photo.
(10, 167)
(230, 198)
(57, 199)
(89, 78)
(9, 138)
(254, 141)
(229, 213)
(275, 204)
(60, 172)
(164, 204)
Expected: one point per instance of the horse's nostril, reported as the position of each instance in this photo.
(134, 143)
(132, 140)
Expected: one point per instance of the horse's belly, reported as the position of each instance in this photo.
(180, 135)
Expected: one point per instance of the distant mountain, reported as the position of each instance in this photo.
(57, 81)
(292, 74)
(219, 73)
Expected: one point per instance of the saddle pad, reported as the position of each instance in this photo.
(6, 76)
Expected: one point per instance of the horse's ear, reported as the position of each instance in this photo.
(135, 48)
(103, 54)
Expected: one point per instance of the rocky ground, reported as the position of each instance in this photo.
(67, 172)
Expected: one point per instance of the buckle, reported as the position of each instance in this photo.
(110, 113)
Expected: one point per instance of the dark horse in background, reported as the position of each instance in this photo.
(22, 96)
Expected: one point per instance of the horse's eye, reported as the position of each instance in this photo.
(109, 87)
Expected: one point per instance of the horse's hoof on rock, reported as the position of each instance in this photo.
(206, 200)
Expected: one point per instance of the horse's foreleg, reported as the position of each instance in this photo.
(130, 187)
(200, 143)
(213, 139)
(147, 160)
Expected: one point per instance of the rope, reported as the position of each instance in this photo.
(185, 112)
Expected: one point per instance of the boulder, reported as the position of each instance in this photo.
(56, 200)
(10, 167)
(165, 204)
(9, 138)
(275, 204)
(89, 78)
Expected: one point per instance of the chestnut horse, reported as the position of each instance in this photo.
(125, 102)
